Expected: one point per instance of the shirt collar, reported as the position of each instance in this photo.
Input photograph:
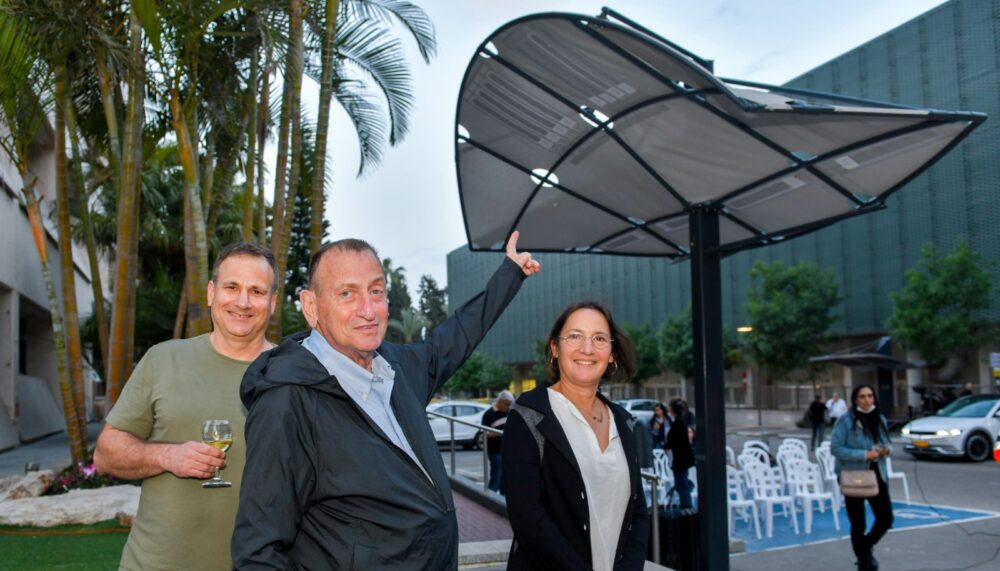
(340, 365)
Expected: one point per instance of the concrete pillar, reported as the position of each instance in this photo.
(9, 350)
(984, 371)
(914, 377)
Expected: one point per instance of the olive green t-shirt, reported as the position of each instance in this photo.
(175, 387)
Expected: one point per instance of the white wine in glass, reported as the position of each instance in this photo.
(219, 435)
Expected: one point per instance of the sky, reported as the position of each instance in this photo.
(409, 207)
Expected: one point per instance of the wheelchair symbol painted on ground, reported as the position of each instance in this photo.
(910, 513)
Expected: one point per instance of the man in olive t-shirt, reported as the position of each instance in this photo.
(153, 433)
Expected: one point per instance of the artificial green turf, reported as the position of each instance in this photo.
(90, 552)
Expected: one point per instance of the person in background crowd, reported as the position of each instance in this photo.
(837, 407)
(817, 418)
(659, 423)
(570, 466)
(968, 390)
(860, 441)
(496, 417)
(679, 442)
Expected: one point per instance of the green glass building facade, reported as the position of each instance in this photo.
(947, 58)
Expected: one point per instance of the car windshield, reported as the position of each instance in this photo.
(969, 407)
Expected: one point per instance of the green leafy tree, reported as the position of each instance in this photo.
(677, 345)
(410, 326)
(480, 375)
(540, 371)
(433, 301)
(790, 309)
(399, 297)
(647, 349)
(936, 311)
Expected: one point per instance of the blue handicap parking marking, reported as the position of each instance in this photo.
(906, 516)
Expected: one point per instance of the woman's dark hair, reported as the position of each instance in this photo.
(857, 389)
(875, 427)
(622, 348)
(660, 406)
(677, 406)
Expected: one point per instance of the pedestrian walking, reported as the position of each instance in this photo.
(496, 417)
(837, 408)
(860, 441)
(817, 418)
(679, 442)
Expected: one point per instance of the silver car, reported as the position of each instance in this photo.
(641, 409)
(465, 435)
(967, 427)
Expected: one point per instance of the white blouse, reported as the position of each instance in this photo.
(605, 478)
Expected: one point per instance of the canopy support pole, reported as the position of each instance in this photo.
(709, 381)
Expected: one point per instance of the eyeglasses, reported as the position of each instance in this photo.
(575, 340)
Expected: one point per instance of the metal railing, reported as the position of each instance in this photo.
(483, 430)
(650, 477)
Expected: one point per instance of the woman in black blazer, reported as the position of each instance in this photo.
(570, 464)
(679, 441)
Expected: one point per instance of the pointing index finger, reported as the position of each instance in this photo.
(512, 244)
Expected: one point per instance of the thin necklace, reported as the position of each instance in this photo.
(599, 417)
(601, 409)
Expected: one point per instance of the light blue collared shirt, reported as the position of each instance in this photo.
(370, 390)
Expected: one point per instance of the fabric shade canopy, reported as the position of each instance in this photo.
(591, 136)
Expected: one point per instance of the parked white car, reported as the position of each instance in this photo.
(641, 409)
(468, 411)
(967, 427)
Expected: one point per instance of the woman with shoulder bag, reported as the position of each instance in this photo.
(860, 443)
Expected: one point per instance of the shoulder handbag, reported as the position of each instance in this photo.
(859, 483)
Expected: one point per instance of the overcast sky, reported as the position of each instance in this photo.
(409, 208)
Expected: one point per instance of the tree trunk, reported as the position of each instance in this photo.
(120, 343)
(71, 314)
(263, 114)
(283, 220)
(251, 162)
(196, 244)
(96, 282)
(322, 126)
(77, 443)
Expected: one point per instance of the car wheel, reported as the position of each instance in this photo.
(977, 447)
(473, 443)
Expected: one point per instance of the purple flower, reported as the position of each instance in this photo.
(88, 470)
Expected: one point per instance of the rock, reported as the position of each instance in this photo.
(76, 507)
(31, 485)
(7, 484)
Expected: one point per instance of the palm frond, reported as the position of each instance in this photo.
(365, 112)
(412, 17)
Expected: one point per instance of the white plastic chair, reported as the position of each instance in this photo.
(768, 491)
(826, 463)
(897, 476)
(730, 456)
(738, 502)
(806, 483)
(757, 454)
(795, 443)
(661, 468)
(757, 444)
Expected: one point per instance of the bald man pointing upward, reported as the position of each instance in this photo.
(342, 469)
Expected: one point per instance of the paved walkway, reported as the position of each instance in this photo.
(476, 523)
(51, 452)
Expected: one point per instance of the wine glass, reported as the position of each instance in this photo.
(219, 435)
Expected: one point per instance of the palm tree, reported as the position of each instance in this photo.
(361, 52)
(410, 325)
(24, 111)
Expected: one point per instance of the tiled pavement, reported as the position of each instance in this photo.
(476, 523)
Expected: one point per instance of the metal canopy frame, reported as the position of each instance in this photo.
(732, 102)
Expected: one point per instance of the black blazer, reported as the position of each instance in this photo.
(678, 441)
(546, 498)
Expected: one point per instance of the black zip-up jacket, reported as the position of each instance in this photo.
(323, 486)
(546, 497)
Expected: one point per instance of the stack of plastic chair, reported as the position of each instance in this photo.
(738, 502)
(785, 455)
(795, 443)
(767, 491)
(827, 465)
(662, 469)
(806, 483)
(757, 444)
